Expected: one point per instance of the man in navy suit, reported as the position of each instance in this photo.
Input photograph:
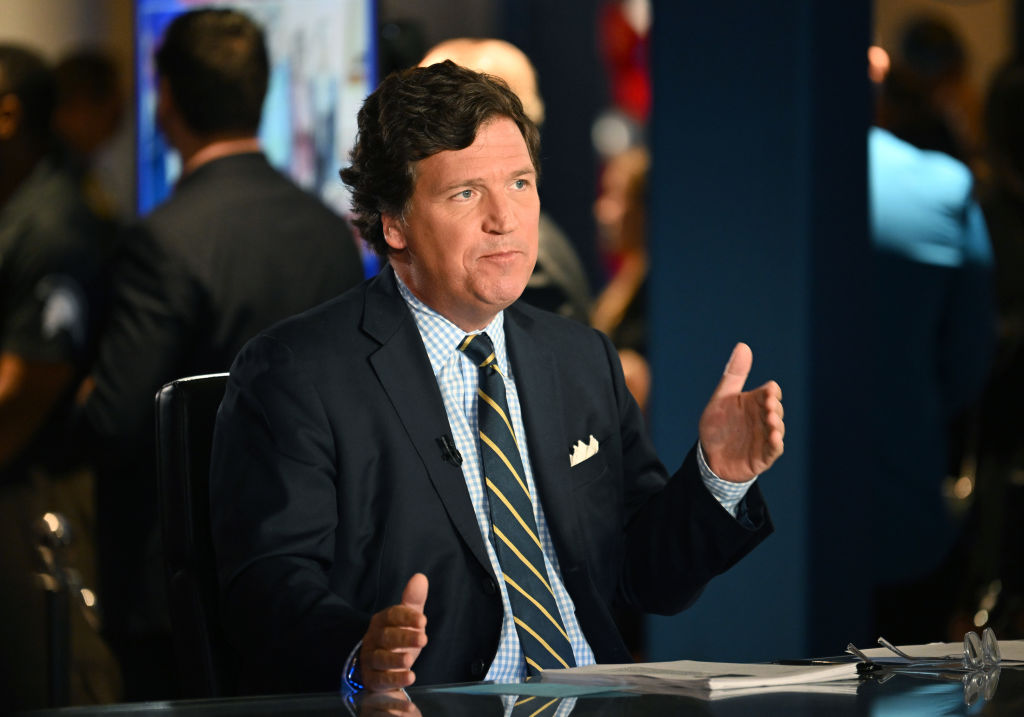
(346, 472)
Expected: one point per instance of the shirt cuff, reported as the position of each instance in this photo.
(727, 493)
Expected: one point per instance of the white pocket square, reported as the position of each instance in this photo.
(582, 451)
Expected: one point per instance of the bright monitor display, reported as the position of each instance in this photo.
(323, 64)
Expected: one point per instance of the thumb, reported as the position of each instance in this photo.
(736, 371)
(415, 593)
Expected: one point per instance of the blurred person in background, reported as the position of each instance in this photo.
(89, 112)
(558, 282)
(934, 319)
(51, 275)
(236, 248)
(620, 310)
(929, 99)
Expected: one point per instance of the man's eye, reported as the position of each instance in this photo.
(465, 194)
(520, 184)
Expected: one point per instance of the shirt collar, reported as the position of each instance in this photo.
(441, 337)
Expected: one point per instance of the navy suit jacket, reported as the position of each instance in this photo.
(330, 489)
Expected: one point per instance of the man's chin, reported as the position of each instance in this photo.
(504, 297)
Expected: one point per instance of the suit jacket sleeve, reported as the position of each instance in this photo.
(673, 536)
(274, 514)
(624, 529)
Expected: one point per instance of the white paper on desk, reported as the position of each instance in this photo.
(836, 687)
(688, 676)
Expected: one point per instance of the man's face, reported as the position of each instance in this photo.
(468, 241)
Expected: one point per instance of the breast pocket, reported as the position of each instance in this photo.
(598, 500)
(590, 470)
(594, 484)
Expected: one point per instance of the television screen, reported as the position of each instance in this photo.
(323, 64)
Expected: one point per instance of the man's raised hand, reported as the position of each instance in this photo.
(741, 431)
(394, 640)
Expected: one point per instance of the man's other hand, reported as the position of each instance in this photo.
(742, 431)
(394, 640)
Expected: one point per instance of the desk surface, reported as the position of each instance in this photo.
(901, 695)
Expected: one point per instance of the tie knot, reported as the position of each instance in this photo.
(479, 348)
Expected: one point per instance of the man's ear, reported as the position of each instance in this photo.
(394, 231)
(168, 118)
(11, 113)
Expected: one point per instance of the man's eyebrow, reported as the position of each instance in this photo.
(525, 170)
(470, 182)
(477, 181)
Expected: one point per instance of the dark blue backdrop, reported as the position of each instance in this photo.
(758, 232)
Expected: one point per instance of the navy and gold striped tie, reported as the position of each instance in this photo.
(538, 623)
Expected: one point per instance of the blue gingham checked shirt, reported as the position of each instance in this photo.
(458, 377)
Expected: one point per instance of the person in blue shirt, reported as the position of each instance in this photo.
(935, 325)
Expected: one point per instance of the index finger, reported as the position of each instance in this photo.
(403, 616)
(773, 389)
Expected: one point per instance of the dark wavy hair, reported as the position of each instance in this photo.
(412, 115)
(216, 64)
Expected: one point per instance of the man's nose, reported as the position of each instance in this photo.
(500, 216)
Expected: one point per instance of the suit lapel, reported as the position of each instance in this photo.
(402, 366)
(536, 375)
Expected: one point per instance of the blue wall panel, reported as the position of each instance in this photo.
(757, 227)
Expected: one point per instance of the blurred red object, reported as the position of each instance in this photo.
(626, 53)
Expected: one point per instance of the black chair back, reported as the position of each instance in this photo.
(185, 413)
